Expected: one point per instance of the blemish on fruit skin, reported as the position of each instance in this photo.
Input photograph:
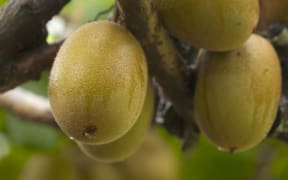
(90, 131)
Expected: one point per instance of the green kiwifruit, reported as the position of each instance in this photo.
(44, 167)
(237, 94)
(123, 147)
(98, 83)
(154, 160)
(217, 25)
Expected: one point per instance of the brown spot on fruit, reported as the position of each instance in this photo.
(90, 131)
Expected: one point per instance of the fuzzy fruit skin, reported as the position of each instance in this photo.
(272, 11)
(104, 172)
(154, 160)
(217, 25)
(98, 83)
(123, 147)
(44, 167)
(237, 94)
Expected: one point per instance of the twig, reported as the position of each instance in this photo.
(23, 25)
(105, 11)
(27, 106)
(164, 62)
(263, 164)
(28, 66)
(22, 32)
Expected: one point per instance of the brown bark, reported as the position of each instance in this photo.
(22, 35)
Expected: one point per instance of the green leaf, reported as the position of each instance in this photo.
(11, 165)
(83, 12)
(278, 165)
(39, 87)
(34, 136)
(2, 2)
(206, 162)
(4, 146)
(2, 115)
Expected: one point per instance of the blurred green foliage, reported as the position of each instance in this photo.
(24, 137)
(38, 87)
(19, 139)
(2, 2)
(206, 158)
(268, 161)
(86, 12)
(31, 135)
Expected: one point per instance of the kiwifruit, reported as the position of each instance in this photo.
(98, 83)
(217, 25)
(104, 172)
(45, 167)
(154, 160)
(123, 147)
(237, 94)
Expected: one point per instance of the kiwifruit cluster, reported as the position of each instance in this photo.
(102, 98)
(239, 77)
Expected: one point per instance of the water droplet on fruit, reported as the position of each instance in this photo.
(220, 148)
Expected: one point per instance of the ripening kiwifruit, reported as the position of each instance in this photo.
(217, 25)
(104, 172)
(154, 160)
(44, 167)
(272, 11)
(98, 83)
(237, 94)
(126, 145)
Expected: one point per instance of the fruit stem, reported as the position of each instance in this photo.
(169, 69)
